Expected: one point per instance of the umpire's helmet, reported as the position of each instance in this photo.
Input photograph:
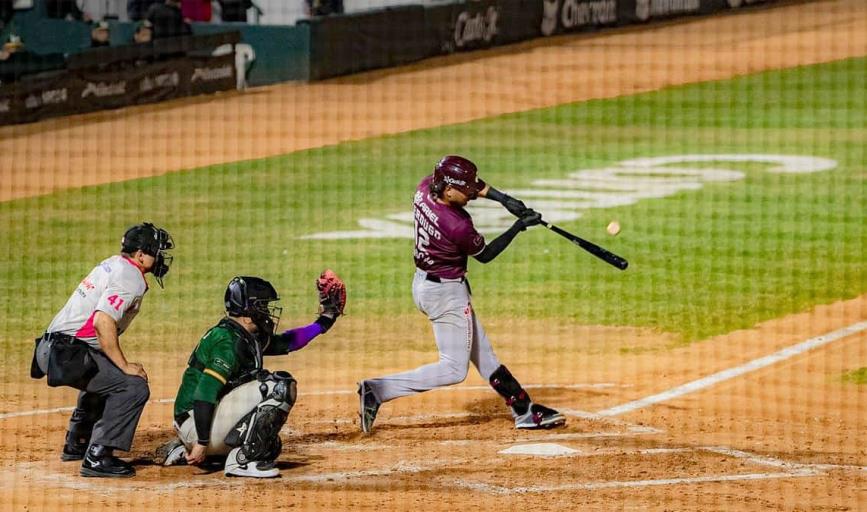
(153, 241)
(252, 297)
(458, 172)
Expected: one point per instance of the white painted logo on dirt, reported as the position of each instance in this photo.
(563, 200)
(539, 450)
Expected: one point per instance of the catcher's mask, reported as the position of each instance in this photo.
(252, 297)
(153, 241)
(458, 172)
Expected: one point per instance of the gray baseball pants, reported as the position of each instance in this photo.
(108, 411)
(460, 339)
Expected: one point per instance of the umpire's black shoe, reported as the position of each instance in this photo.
(100, 462)
(74, 448)
(72, 452)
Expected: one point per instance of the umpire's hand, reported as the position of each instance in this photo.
(136, 369)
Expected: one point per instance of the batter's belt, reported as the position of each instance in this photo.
(437, 279)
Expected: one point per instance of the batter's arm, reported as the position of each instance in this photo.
(106, 334)
(515, 206)
(493, 249)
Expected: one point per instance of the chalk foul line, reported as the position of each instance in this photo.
(730, 373)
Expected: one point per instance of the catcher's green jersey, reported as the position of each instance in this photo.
(223, 354)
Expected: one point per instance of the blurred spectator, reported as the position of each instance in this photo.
(234, 10)
(196, 10)
(104, 9)
(137, 9)
(100, 35)
(17, 62)
(65, 9)
(168, 20)
(144, 32)
(10, 47)
(7, 9)
(323, 7)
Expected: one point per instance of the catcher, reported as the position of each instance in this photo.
(228, 404)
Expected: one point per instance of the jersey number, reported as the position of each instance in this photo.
(422, 239)
(115, 301)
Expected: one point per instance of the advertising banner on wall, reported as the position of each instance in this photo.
(80, 91)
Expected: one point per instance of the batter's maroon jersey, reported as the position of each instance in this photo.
(444, 235)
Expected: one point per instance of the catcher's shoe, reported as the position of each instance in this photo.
(249, 469)
(539, 416)
(368, 406)
(171, 453)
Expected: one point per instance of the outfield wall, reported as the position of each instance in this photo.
(392, 36)
(325, 47)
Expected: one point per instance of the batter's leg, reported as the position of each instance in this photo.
(447, 306)
(482, 354)
(527, 414)
(451, 334)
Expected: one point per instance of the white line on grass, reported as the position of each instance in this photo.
(736, 371)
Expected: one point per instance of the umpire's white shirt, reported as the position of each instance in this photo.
(115, 287)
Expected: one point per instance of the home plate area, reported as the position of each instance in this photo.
(480, 453)
(474, 451)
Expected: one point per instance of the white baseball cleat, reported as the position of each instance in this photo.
(539, 416)
(172, 453)
(249, 469)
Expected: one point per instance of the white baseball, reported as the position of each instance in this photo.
(613, 228)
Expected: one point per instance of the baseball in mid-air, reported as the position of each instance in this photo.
(613, 228)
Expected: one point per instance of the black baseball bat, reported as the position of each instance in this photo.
(603, 254)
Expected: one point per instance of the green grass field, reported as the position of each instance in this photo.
(858, 376)
(703, 262)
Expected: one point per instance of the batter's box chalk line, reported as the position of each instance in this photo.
(789, 470)
(332, 392)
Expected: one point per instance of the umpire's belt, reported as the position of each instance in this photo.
(58, 336)
(438, 279)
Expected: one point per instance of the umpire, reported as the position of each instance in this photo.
(81, 349)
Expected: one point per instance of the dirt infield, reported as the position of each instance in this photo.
(787, 436)
(790, 436)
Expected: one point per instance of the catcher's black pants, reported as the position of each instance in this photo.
(109, 409)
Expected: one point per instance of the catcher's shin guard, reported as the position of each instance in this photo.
(257, 435)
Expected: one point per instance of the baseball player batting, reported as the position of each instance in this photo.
(81, 349)
(444, 239)
(228, 404)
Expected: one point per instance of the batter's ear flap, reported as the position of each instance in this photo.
(437, 188)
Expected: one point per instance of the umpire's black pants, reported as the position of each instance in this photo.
(108, 411)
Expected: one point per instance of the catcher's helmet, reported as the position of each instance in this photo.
(252, 297)
(153, 241)
(458, 172)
